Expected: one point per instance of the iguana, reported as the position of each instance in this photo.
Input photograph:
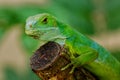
(82, 50)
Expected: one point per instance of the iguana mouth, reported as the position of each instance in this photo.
(34, 36)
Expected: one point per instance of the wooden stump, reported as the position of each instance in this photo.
(48, 60)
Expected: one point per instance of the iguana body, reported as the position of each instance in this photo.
(82, 50)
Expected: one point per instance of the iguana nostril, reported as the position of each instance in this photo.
(30, 25)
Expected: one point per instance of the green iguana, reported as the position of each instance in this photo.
(82, 50)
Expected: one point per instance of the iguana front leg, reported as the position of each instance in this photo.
(85, 56)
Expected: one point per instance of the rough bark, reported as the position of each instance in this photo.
(48, 60)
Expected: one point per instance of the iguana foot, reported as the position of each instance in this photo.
(67, 66)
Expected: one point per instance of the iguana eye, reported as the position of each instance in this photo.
(45, 20)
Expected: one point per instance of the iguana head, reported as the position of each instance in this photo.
(42, 27)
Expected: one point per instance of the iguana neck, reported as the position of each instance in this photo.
(65, 29)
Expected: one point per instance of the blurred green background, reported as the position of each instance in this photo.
(97, 19)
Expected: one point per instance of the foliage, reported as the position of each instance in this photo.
(112, 8)
(11, 74)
